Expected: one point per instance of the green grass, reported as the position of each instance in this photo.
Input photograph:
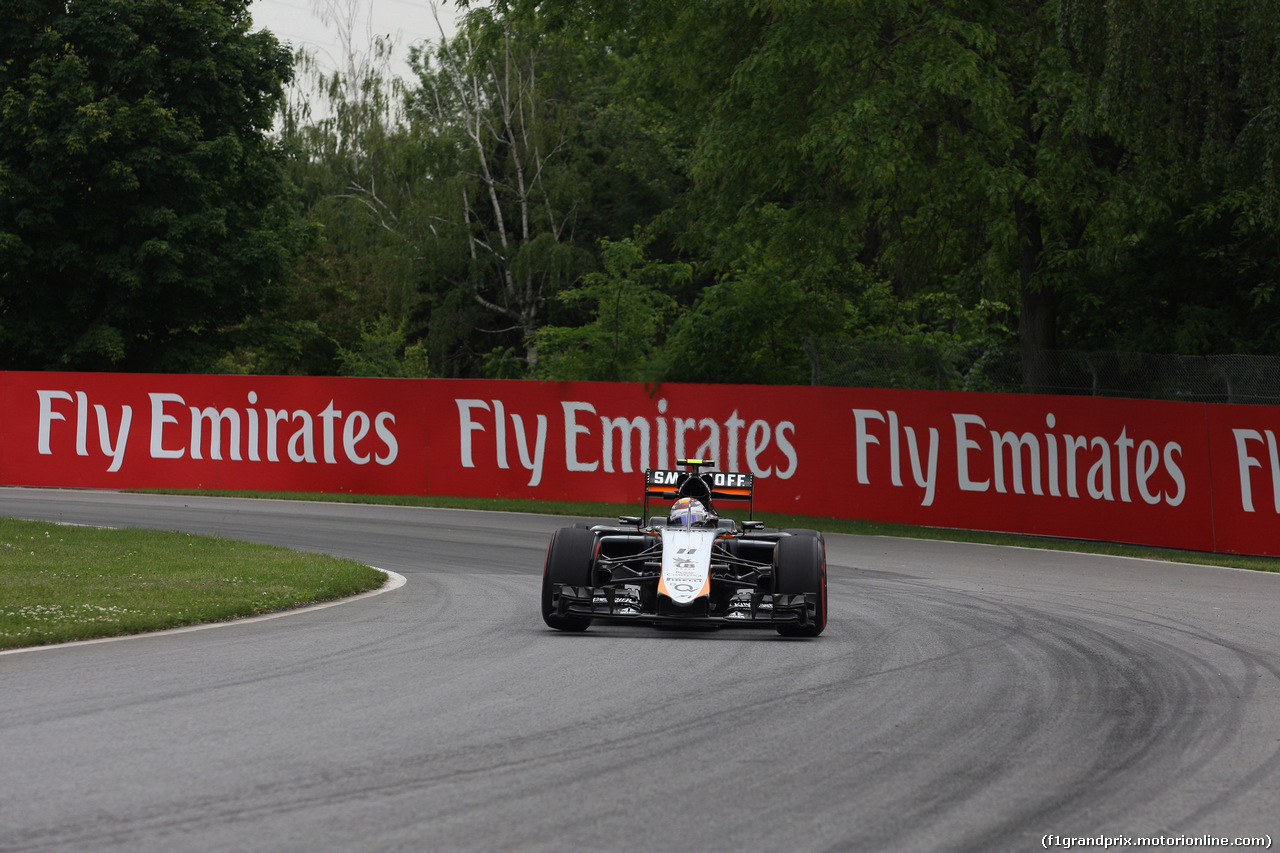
(61, 583)
(828, 525)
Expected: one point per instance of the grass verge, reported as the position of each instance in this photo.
(828, 525)
(60, 583)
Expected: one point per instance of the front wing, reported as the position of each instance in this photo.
(760, 610)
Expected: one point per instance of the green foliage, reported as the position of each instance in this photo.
(364, 177)
(939, 174)
(503, 93)
(1191, 90)
(944, 175)
(742, 331)
(630, 306)
(383, 351)
(504, 363)
(144, 215)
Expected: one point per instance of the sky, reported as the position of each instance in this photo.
(299, 23)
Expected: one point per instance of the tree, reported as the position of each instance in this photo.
(630, 305)
(367, 185)
(833, 147)
(143, 210)
(936, 139)
(1191, 90)
(947, 149)
(518, 192)
(383, 351)
(455, 216)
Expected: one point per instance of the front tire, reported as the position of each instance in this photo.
(800, 568)
(569, 556)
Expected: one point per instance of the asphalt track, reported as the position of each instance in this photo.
(962, 698)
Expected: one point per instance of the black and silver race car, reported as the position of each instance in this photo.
(690, 567)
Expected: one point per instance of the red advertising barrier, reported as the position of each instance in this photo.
(112, 430)
(1058, 466)
(1181, 475)
(1246, 472)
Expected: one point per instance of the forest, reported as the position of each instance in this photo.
(688, 191)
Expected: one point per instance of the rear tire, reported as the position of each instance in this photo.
(569, 557)
(800, 568)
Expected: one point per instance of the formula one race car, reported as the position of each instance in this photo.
(689, 567)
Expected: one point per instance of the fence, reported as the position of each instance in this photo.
(888, 364)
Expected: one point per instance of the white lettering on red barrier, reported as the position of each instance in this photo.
(113, 450)
(1246, 461)
(926, 477)
(178, 429)
(1184, 475)
(468, 425)
(1019, 460)
(600, 441)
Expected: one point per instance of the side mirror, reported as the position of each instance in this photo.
(630, 519)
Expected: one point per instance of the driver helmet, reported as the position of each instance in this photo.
(687, 512)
